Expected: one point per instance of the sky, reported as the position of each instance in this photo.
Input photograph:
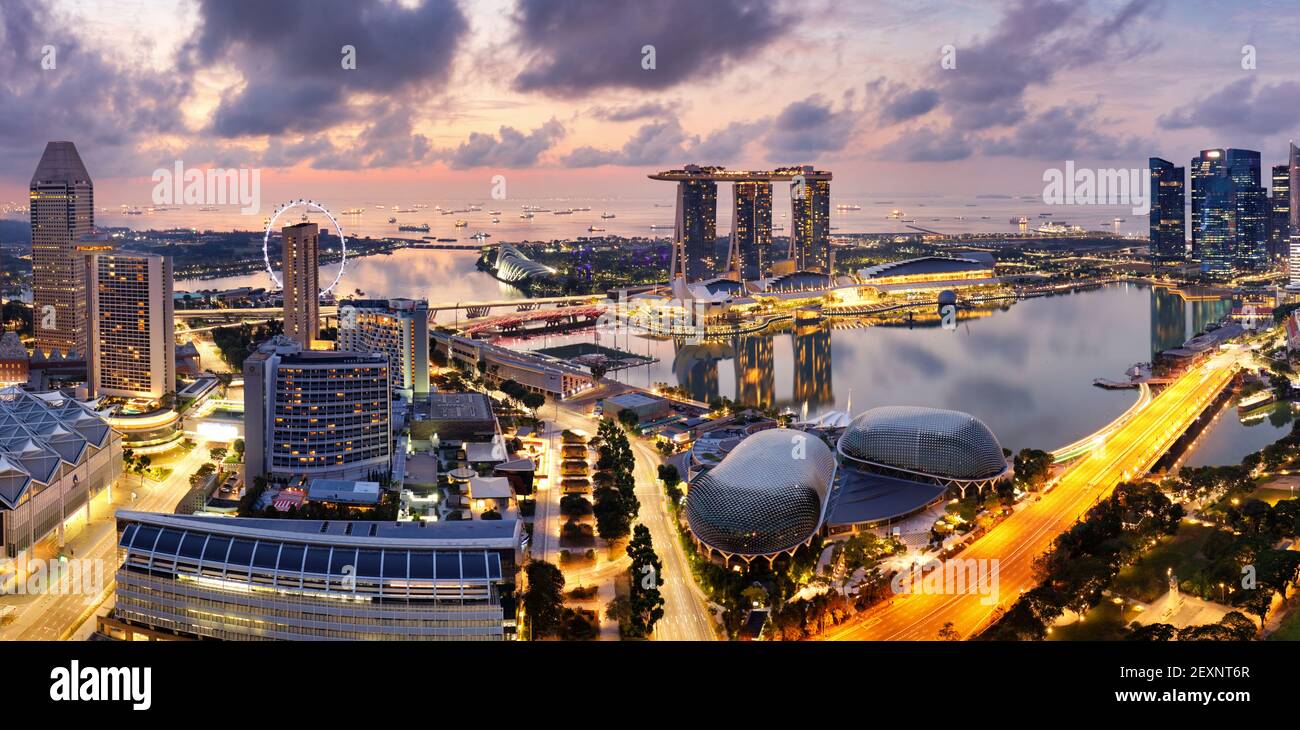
(554, 94)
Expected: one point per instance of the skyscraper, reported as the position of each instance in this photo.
(1229, 212)
(1279, 223)
(1168, 230)
(301, 283)
(1294, 188)
(132, 347)
(396, 327)
(316, 413)
(751, 227)
(62, 207)
(696, 228)
(810, 235)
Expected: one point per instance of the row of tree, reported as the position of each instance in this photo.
(615, 486)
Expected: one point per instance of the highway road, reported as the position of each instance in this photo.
(1125, 454)
(686, 617)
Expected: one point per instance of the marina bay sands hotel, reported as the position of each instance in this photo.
(750, 254)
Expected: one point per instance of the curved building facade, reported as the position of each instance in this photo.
(767, 497)
(946, 447)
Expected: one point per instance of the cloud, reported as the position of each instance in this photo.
(632, 112)
(928, 144)
(1066, 132)
(109, 109)
(808, 127)
(1241, 107)
(664, 141)
(508, 148)
(289, 55)
(575, 47)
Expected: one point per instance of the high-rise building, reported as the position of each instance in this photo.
(751, 228)
(1293, 187)
(1229, 212)
(1279, 222)
(1168, 231)
(62, 207)
(132, 348)
(810, 235)
(696, 231)
(301, 282)
(316, 413)
(396, 327)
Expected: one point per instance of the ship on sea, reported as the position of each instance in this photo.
(562, 212)
(481, 236)
(421, 228)
(848, 206)
(607, 215)
(594, 229)
(392, 220)
(528, 214)
(353, 211)
(461, 223)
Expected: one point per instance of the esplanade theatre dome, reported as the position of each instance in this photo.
(930, 442)
(767, 496)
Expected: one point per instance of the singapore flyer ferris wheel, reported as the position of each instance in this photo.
(338, 231)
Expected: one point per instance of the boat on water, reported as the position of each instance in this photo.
(528, 214)
(848, 206)
(607, 215)
(594, 229)
(496, 220)
(896, 214)
(421, 228)
(561, 212)
(481, 236)
(461, 223)
(392, 220)
(1021, 221)
(352, 211)
(658, 227)
(494, 212)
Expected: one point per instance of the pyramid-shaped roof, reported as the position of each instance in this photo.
(60, 163)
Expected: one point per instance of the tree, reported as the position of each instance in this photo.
(646, 572)
(1033, 466)
(612, 519)
(628, 419)
(544, 599)
(668, 474)
(949, 633)
(598, 371)
(533, 401)
(239, 447)
(1152, 632)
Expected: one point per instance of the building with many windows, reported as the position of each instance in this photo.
(62, 207)
(1168, 214)
(316, 413)
(1279, 223)
(245, 579)
(1229, 212)
(55, 456)
(132, 350)
(810, 233)
(396, 327)
(301, 282)
(751, 229)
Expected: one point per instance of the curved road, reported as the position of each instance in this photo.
(1127, 453)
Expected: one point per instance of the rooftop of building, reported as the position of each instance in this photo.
(929, 265)
(633, 399)
(60, 163)
(460, 407)
(454, 533)
(38, 432)
(865, 498)
(343, 490)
